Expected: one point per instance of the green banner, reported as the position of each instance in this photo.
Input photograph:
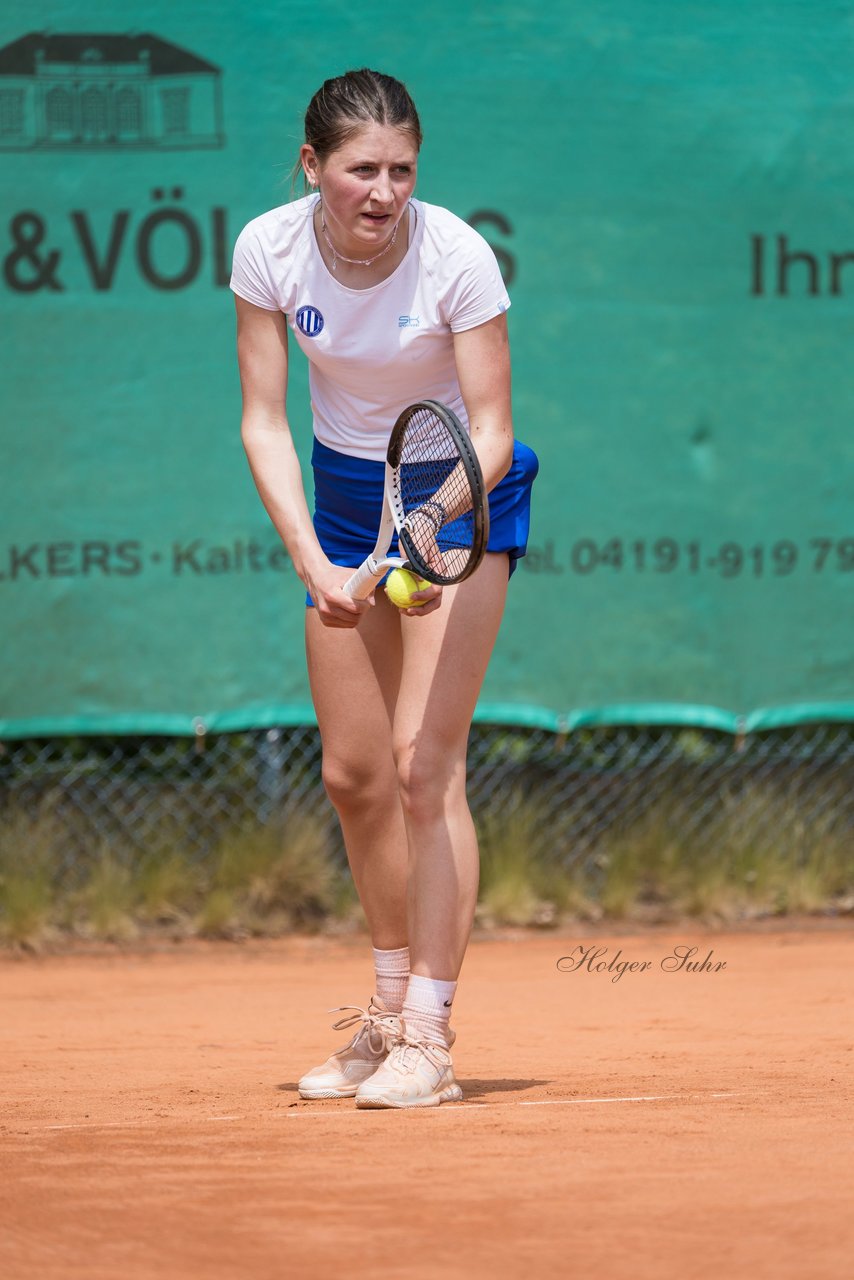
(667, 188)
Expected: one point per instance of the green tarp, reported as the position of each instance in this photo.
(668, 188)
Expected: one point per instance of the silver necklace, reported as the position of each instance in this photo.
(354, 262)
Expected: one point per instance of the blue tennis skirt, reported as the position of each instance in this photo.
(348, 503)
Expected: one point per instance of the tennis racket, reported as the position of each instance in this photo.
(434, 498)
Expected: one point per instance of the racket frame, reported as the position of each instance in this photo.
(360, 585)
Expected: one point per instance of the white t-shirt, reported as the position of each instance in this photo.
(372, 351)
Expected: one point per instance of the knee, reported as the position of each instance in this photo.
(353, 784)
(426, 780)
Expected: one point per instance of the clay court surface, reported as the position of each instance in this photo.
(664, 1125)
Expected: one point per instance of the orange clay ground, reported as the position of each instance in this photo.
(669, 1124)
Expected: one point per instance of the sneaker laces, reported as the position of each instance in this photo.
(381, 1025)
(410, 1045)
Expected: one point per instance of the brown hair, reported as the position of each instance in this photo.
(344, 105)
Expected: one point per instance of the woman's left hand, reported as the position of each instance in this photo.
(431, 597)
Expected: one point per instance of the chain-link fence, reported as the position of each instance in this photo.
(582, 789)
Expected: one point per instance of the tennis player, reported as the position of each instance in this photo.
(392, 300)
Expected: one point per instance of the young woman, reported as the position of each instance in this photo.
(393, 301)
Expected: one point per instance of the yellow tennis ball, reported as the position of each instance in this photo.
(399, 586)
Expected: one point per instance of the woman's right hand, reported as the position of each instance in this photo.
(334, 607)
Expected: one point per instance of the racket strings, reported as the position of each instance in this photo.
(435, 495)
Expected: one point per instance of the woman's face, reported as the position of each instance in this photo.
(365, 186)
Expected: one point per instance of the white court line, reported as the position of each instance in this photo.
(120, 1124)
(513, 1102)
(469, 1107)
(652, 1097)
(96, 1124)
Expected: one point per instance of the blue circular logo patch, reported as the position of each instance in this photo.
(309, 321)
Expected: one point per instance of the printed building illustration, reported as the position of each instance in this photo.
(107, 91)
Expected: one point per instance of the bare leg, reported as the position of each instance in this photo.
(355, 677)
(445, 656)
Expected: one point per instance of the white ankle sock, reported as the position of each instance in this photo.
(392, 969)
(427, 1007)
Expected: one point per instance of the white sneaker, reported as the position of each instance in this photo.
(416, 1073)
(343, 1071)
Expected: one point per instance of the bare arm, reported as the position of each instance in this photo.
(483, 369)
(262, 355)
(482, 357)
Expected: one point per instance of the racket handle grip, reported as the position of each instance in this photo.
(363, 581)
